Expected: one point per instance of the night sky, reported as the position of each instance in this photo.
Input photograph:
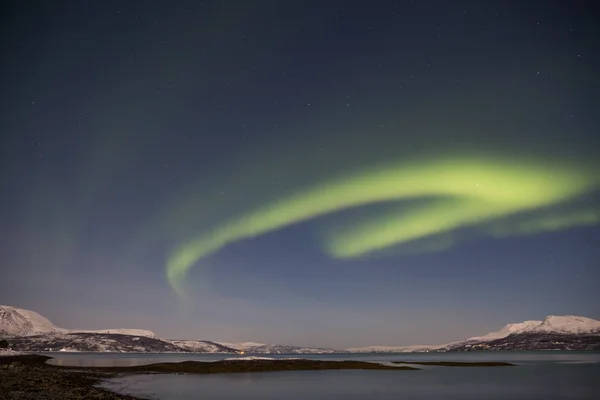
(322, 173)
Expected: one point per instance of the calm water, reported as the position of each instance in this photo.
(539, 375)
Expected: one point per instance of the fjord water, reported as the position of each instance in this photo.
(538, 375)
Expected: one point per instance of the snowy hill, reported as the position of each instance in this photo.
(507, 330)
(29, 331)
(111, 342)
(132, 332)
(281, 349)
(203, 346)
(245, 346)
(261, 348)
(567, 324)
(553, 333)
(93, 342)
(32, 332)
(19, 322)
(521, 335)
(394, 349)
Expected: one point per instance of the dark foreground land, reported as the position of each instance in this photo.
(29, 377)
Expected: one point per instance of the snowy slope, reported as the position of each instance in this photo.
(567, 324)
(261, 348)
(131, 332)
(203, 346)
(19, 322)
(507, 330)
(31, 332)
(393, 349)
(282, 349)
(561, 325)
(93, 342)
(245, 346)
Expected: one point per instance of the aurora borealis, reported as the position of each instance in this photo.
(314, 173)
(478, 190)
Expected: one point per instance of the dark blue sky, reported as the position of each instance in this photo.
(134, 130)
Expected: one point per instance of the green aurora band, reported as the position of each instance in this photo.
(549, 223)
(470, 191)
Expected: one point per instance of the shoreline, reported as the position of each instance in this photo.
(28, 377)
(24, 377)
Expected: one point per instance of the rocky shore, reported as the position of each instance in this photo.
(29, 377)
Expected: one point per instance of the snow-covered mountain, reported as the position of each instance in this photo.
(93, 342)
(394, 349)
(109, 342)
(261, 348)
(29, 331)
(19, 322)
(132, 332)
(552, 325)
(203, 346)
(244, 346)
(553, 333)
(567, 324)
(506, 330)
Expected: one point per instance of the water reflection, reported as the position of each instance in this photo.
(541, 380)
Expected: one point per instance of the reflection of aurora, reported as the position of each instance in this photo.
(470, 191)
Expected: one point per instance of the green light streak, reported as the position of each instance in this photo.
(480, 189)
(389, 230)
(548, 223)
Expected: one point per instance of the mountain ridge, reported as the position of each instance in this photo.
(30, 331)
(551, 325)
(568, 324)
(22, 322)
